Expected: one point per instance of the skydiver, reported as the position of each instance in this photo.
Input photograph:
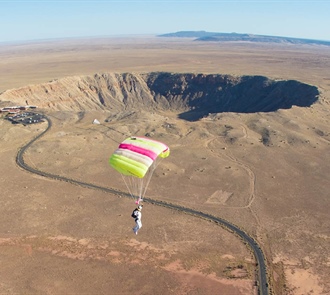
(137, 215)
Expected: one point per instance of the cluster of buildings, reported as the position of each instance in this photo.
(16, 109)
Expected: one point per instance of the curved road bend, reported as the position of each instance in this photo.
(260, 259)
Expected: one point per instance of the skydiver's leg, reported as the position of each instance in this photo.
(137, 227)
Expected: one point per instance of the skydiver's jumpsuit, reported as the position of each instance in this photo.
(138, 221)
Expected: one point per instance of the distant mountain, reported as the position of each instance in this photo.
(223, 37)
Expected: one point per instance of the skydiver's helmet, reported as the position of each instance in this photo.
(139, 207)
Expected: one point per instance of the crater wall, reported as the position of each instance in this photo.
(192, 96)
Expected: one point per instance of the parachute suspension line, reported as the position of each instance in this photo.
(138, 186)
(137, 183)
(128, 186)
(134, 183)
(134, 186)
(149, 175)
(147, 178)
(140, 193)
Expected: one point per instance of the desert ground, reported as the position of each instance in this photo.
(59, 238)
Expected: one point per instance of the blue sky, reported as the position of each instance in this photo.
(30, 20)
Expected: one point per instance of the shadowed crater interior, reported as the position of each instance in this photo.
(203, 94)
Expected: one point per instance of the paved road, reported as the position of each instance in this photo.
(261, 264)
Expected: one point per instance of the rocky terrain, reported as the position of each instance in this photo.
(249, 146)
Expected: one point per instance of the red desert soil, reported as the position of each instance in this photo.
(58, 238)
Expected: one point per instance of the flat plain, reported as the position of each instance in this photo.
(59, 238)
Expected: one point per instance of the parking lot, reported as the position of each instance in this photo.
(25, 118)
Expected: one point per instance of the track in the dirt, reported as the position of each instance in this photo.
(261, 278)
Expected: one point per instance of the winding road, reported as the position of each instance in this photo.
(261, 278)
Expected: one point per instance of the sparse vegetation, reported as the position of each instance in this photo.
(220, 163)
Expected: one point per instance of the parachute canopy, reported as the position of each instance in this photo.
(136, 155)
